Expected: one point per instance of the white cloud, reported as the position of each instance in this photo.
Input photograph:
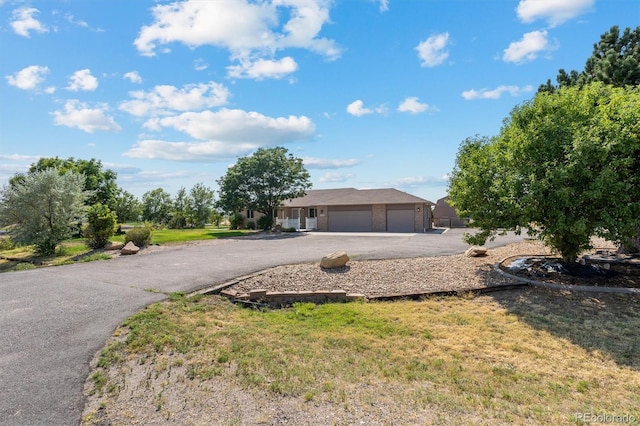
(165, 99)
(23, 22)
(384, 5)
(226, 133)
(249, 31)
(554, 12)
(335, 177)
(237, 126)
(133, 76)
(200, 65)
(82, 80)
(356, 108)
(28, 78)
(414, 106)
(325, 163)
(263, 68)
(495, 93)
(432, 51)
(528, 48)
(19, 157)
(79, 115)
(188, 151)
(422, 181)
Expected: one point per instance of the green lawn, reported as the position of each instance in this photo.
(70, 251)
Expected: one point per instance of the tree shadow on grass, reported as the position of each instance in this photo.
(609, 323)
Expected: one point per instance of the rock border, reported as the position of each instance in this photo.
(580, 288)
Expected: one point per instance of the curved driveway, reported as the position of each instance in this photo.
(54, 320)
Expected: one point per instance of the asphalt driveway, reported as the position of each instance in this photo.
(54, 320)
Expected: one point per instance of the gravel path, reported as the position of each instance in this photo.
(394, 276)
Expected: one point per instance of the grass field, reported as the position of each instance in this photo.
(73, 250)
(525, 357)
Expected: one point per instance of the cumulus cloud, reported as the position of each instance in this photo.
(335, 177)
(188, 151)
(554, 12)
(133, 76)
(263, 68)
(238, 126)
(326, 163)
(23, 22)
(413, 105)
(495, 93)
(528, 48)
(221, 135)
(79, 115)
(166, 99)
(82, 80)
(356, 108)
(28, 78)
(433, 51)
(249, 31)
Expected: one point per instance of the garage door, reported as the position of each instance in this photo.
(350, 220)
(400, 220)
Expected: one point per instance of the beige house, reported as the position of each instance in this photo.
(445, 216)
(356, 210)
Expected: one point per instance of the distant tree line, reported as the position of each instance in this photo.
(59, 198)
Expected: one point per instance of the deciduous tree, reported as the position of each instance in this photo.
(564, 166)
(262, 181)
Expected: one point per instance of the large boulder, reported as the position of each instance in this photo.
(476, 251)
(337, 259)
(114, 246)
(130, 248)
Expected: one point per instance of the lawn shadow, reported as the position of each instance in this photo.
(608, 323)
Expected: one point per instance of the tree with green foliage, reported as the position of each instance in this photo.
(615, 60)
(564, 166)
(101, 225)
(262, 181)
(127, 206)
(101, 183)
(180, 210)
(43, 208)
(157, 206)
(201, 205)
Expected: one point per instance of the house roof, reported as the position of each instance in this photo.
(352, 196)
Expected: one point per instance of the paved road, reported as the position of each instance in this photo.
(54, 320)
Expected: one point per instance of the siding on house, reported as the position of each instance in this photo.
(350, 209)
(444, 215)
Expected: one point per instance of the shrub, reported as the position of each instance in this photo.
(251, 224)
(24, 266)
(236, 221)
(101, 225)
(292, 229)
(177, 221)
(140, 236)
(6, 243)
(265, 222)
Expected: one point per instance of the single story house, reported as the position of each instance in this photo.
(356, 210)
(445, 216)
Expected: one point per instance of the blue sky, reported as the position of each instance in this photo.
(370, 93)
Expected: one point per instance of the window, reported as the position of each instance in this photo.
(313, 212)
(250, 214)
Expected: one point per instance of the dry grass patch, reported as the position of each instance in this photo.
(514, 357)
